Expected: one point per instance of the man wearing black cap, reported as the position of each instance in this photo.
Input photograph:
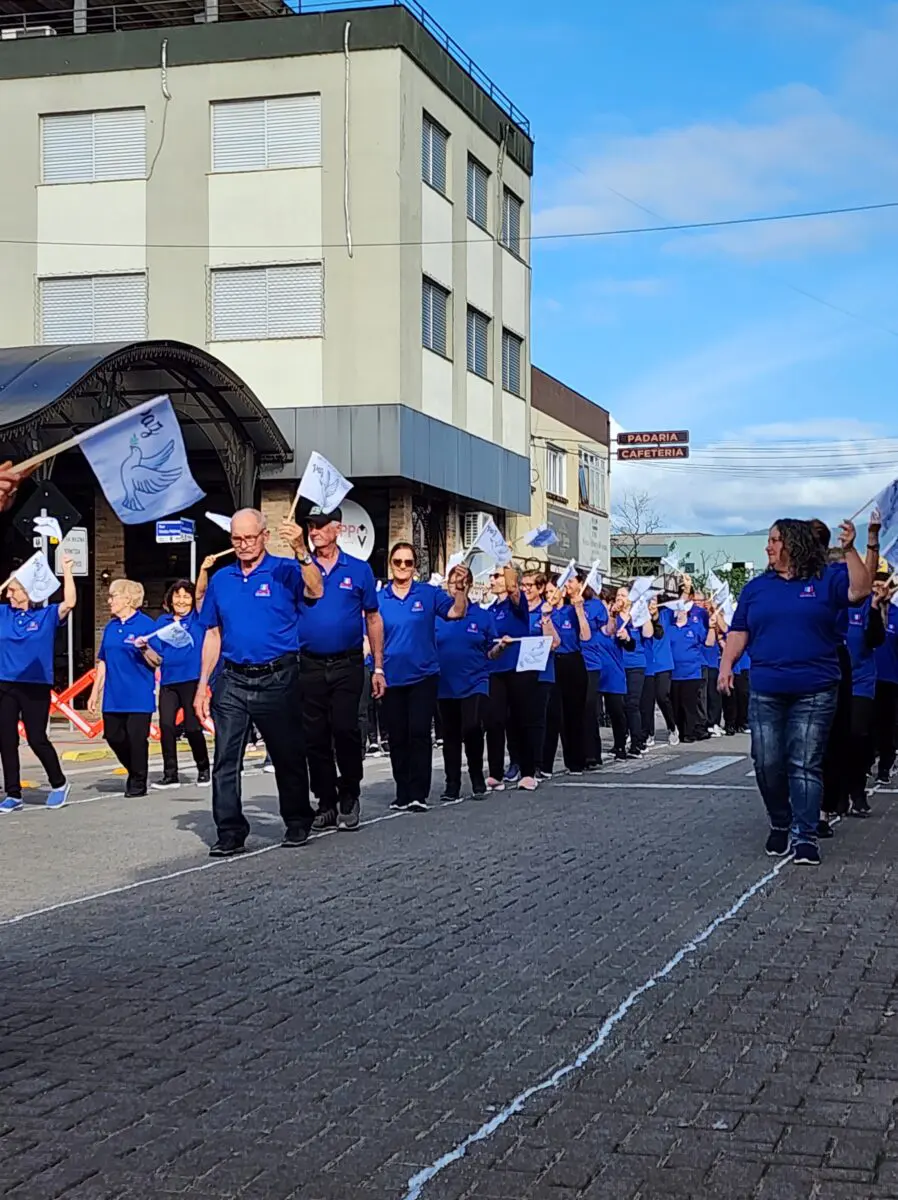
(333, 672)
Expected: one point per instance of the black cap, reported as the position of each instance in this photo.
(317, 518)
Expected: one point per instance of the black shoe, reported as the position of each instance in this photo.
(479, 788)
(398, 806)
(167, 781)
(227, 848)
(806, 855)
(418, 806)
(620, 756)
(593, 766)
(295, 836)
(883, 779)
(730, 731)
(134, 791)
(860, 807)
(824, 829)
(778, 843)
(325, 818)
(349, 816)
(634, 753)
(203, 776)
(450, 795)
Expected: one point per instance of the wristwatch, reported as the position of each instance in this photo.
(305, 560)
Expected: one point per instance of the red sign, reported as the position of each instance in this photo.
(643, 452)
(668, 437)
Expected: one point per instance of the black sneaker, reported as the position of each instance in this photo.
(398, 806)
(542, 775)
(634, 753)
(418, 806)
(806, 855)
(134, 791)
(859, 807)
(349, 816)
(620, 756)
(295, 836)
(824, 829)
(778, 843)
(325, 818)
(226, 848)
(480, 790)
(450, 795)
(166, 782)
(593, 766)
(203, 777)
(883, 779)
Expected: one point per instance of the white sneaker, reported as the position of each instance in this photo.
(715, 731)
(673, 738)
(649, 743)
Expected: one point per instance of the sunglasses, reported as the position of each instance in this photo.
(403, 562)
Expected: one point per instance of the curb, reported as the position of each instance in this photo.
(100, 753)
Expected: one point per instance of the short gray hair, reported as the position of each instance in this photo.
(252, 512)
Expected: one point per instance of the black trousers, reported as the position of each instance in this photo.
(273, 703)
(647, 707)
(714, 700)
(331, 693)
(663, 700)
(127, 735)
(592, 738)
(685, 694)
(408, 712)
(885, 731)
(702, 718)
(172, 697)
(31, 702)
(462, 725)
(860, 753)
(635, 680)
(514, 713)
(616, 708)
(838, 747)
(570, 686)
(735, 705)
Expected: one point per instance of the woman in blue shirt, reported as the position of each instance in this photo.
(536, 588)
(886, 696)
(866, 632)
(662, 669)
(614, 638)
(711, 671)
(564, 715)
(27, 639)
(464, 649)
(514, 711)
(687, 644)
(179, 678)
(789, 620)
(410, 611)
(125, 684)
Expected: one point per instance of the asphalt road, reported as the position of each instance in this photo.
(604, 990)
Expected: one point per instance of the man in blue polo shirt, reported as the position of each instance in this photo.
(333, 672)
(250, 614)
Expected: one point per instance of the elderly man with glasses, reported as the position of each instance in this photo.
(250, 613)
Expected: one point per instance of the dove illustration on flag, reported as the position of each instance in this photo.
(566, 575)
(543, 535)
(323, 484)
(174, 635)
(491, 542)
(140, 462)
(36, 577)
(594, 578)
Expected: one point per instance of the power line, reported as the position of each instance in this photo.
(537, 237)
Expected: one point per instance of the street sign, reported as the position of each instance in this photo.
(180, 530)
(49, 500)
(74, 544)
(669, 437)
(634, 453)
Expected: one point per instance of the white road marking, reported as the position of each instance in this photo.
(668, 787)
(708, 766)
(418, 1182)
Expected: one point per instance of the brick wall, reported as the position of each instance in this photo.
(400, 525)
(108, 556)
(277, 499)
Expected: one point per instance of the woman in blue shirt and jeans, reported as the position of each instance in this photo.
(789, 620)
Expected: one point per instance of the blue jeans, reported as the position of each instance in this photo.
(788, 741)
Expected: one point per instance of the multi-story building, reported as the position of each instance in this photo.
(569, 481)
(313, 231)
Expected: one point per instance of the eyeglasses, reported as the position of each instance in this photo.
(403, 562)
(246, 541)
(497, 575)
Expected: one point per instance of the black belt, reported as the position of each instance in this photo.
(257, 669)
(355, 653)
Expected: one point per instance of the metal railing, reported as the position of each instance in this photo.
(20, 18)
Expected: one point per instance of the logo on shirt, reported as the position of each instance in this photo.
(473, 627)
(263, 590)
(808, 592)
(417, 606)
(346, 584)
(32, 627)
(130, 639)
(856, 618)
(565, 624)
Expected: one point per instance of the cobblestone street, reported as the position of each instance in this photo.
(337, 1023)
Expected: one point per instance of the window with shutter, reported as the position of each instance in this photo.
(94, 147)
(93, 308)
(512, 353)
(435, 317)
(278, 131)
(478, 189)
(478, 343)
(555, 472)
(511, 221)
(261, 303)
(434, 153)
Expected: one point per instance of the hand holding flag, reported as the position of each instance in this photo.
(321, 483)
(35, 577)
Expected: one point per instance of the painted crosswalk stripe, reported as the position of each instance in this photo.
(709, 765)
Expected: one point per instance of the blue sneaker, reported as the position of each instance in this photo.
(513, 774)
(11, 804)
(58, 796)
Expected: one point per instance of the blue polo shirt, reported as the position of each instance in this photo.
(27, 640)
(648, 645)
(410, 646)
(863, 658)
(635, 657)
(512, 620)
(662, 654)
(334, 625)
(596, 616)
(887, 653)
(565, 621)
(687, 648)
(462, 648)
(256, 613)
(536, 630)
(793, 630)
(711, 655)
(180, 664)
(612, 675)
(130, 682)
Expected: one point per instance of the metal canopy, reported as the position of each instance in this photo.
(48, 393)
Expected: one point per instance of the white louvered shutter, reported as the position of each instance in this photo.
(255, 303)
(238, 135)
(293, 131)
(295, 300)
(512, 352)
(66, 311)
(511, 221)
(478, 343)
(120, 144)
(67, 154)
(120, 308)
(478, 188)
(93, 308)
(239, 305)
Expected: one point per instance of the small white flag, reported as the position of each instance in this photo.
(48, 527)
(534, 653)
(594, 578)
(36, 578)
(219, 520)
(435, 580)
(566, 575)
(728, 608)
(671, 563)
(174, 635)
(641, 588)
(490, 541)
(719, 589)
(639, 613)
(323, 484)
(543, 535)
(455, 560)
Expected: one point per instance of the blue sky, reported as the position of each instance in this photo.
(708, 110)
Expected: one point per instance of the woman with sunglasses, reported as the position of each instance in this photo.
(410, 611)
